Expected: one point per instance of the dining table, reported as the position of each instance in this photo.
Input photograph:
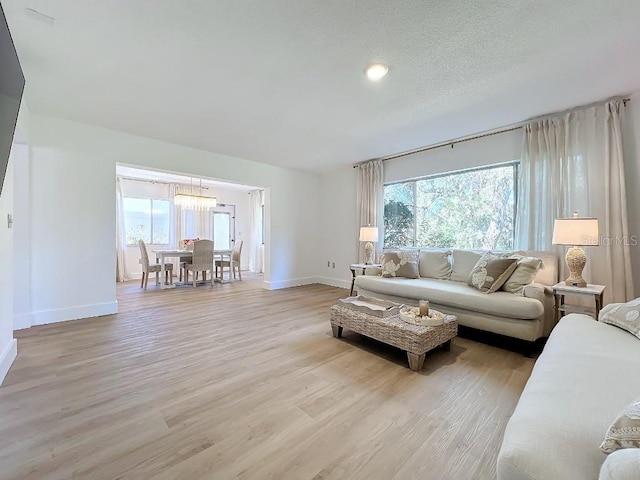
(161, 255)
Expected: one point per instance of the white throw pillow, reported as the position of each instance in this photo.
(525, 272)
(624, 432)
(435, 264)
(623, 315)
(463, 263)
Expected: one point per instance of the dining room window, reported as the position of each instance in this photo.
(146, 219)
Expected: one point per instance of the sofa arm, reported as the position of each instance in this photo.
(621, 465)
(544, 294)
(537, 290)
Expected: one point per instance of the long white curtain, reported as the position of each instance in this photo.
(370, 199)
(256, 250)
(574, 163)
(122, 272)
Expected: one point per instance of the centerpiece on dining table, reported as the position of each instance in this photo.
(187, 243)
(422, 315)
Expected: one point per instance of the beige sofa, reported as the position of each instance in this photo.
(586, 375)
(443, 275)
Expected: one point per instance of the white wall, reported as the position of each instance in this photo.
(338, 232)
(21, 236)
(8, 345)
(73, 212)
(503, 147)
(340, 235)
(240, 199)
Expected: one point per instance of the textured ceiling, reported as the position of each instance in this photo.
(282, 82)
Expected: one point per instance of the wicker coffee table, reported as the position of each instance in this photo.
(414, 339)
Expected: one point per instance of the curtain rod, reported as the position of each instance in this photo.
(511, 128)
(161, 182)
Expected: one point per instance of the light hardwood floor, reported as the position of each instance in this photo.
(236, 382)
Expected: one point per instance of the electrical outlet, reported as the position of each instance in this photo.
(333, 264)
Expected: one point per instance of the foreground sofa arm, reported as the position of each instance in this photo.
(621, 465)
(544, 294)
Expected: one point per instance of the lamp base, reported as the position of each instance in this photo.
(368, 253)
(576, 260)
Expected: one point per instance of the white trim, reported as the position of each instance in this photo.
(81, 311)
(22, 320)
(7, 357)
(294, 282)
(335, 282)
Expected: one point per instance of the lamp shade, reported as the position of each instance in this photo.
(368, 234)
(576, 231)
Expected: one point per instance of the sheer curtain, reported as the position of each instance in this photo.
(122, 272)
(187, 223)
(256, 251)
(574, 162)
(370, 203)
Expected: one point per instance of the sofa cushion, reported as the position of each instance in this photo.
(402, 263)
(623, 315)
(435, 264)
(586, 374)
(454, 294)
(624, 432)
(463, 263)
(525, 272)
(491, 272)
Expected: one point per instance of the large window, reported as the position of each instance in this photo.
(473, 209)
(146, 219)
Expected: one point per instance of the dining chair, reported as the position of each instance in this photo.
(202, 260)
(232, 264)
(155, 267)
(183, 261)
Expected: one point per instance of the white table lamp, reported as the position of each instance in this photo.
(368, 234)
(576, 232)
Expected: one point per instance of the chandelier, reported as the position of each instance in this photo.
(194, 202)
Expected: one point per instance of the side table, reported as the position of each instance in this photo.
(594, 292)
(359, 266)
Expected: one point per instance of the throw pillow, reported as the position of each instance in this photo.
(463, 263)
(525, 272)
(435, 264)
(624, 432)
(623, 315)
(403, 263)
(490, 273)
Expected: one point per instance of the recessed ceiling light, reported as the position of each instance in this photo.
(376, 71)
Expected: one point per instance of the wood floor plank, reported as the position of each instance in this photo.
(237, 382)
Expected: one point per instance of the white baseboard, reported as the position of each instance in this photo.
(7, 357)
(335, 282)
(22, 320)
(73, 313)
(294, 282)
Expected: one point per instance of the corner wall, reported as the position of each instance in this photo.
(340, 233)
(73, 207)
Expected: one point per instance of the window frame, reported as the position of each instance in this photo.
(516, 176)
(151, 200)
